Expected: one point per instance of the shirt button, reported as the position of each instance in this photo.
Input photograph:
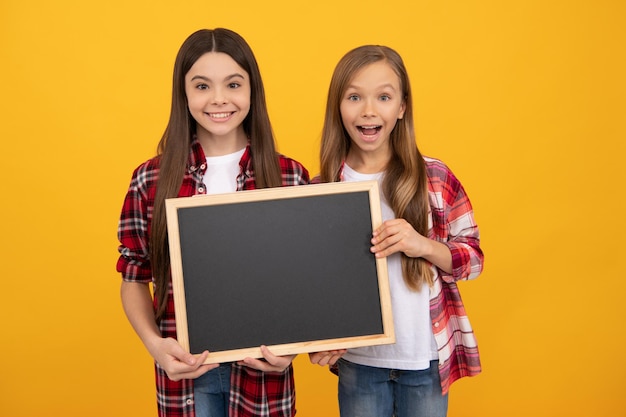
(201, 190)
(202, 166)
(189, 401)
(437, 324)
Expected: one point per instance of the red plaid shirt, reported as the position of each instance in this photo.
(253, 393)
(452, 224)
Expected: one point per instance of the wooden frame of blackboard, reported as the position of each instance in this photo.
(349, 293)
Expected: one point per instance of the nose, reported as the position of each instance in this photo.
(219, 96)
(369, 109)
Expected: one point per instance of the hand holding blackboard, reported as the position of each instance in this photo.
(271, 362)
(179, 363)
(326, 357)
(289, 268)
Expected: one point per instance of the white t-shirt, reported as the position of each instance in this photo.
(415, 344)
(221, 173)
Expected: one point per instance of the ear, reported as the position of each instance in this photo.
(402, 109)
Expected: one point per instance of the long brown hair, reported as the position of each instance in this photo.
(405, 184)
(174, 146)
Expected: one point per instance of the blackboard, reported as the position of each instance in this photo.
(289, 268)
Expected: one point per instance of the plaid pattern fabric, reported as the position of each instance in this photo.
(452, 223)
(253, 393)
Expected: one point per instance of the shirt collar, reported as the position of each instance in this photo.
(197, 158)
(246, 161)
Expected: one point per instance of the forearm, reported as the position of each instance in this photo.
(439, 255)
(137, 304)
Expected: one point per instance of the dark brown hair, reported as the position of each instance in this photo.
(405, 184)
(174, 146)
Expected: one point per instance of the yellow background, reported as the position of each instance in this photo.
(525, 100)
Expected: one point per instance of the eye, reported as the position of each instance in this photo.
(234, 85)
(202, 86)
(385, 97)
(353, 97)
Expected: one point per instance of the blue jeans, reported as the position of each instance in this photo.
(211, 392)
(365, 391)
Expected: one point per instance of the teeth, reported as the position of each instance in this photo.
(219, 115)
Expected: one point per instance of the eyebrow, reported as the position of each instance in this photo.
(228, 78)
(382, 86)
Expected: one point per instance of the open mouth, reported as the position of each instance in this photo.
(222, 115)
(369, 130)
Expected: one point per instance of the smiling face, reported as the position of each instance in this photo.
(370, 107)
(218, 97)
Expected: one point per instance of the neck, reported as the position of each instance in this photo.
(367, 162)
(213, 145)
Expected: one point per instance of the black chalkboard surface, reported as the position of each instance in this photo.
(288, 267)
